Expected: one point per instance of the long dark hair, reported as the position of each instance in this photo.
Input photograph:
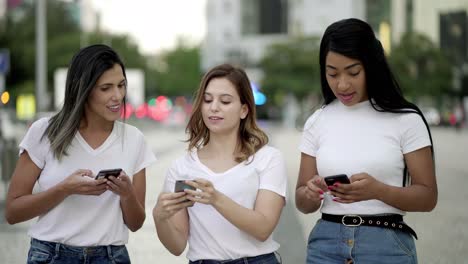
(355, 39)
(84, 71)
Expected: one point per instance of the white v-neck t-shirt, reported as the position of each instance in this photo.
(211, 236)
(354, 139)
(85, 220)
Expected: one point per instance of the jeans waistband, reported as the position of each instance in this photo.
(62, 249)
(235, 261)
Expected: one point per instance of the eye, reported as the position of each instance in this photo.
(122, 85)
(206, 100)
(355, 73)
(225, 102)
(332, 75)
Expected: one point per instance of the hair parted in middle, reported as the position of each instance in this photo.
(251, 137)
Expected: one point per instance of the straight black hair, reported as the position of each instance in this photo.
(355, 39)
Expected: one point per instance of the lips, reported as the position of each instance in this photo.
(345, 98)
(114, 108)
(215, 118)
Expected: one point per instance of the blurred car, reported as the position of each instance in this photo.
(432, 116)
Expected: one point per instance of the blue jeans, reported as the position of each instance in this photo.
(261, 259)
(331, 242)
(51, 252)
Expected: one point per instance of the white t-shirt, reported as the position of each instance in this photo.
(351, 140)
(211, 235)
(85, 220)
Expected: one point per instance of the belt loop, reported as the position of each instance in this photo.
(109, 252)
(57, 249)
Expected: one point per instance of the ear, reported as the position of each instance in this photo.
(244, 111)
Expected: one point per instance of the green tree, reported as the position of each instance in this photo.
(291, 67)
(177, 71)
(421, 68)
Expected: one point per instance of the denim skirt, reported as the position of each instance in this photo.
(331, 242)
(50, 252)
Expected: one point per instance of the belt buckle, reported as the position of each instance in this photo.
(355, 220)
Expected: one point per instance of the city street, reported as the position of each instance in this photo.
(443, 236)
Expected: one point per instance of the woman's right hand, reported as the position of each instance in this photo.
(83, 182)
(169, 204)
(315, 188)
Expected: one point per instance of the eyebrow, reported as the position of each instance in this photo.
(347, 67)
(104, 84)
(219, 95)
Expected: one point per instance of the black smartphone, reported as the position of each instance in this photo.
(180, 186)
(341, 178)
(107, 173)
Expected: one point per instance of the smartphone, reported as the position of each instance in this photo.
(180, 186)
(107, 173)
(341, 178)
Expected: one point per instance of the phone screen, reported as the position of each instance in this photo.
(180, 186)
(107, 173)
(341, 178)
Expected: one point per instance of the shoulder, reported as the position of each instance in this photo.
(39, 126)
(128, 130)
(267, 153)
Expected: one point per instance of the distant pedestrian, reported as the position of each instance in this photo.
(82, 219)
(241, 181)
(367, 131)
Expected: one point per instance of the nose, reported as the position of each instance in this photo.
(214, 106)
(343, 83)
(117, 94)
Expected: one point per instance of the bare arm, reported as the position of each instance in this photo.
(421, 195)
(172, 221)
(309, 186)
(22, 205)
(132, 198)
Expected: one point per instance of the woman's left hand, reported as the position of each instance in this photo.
(362, 187)
(205, 194)
(121, 185)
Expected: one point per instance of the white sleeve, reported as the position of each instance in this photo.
(171, 176)
(309, 140)
(414, 133)
(145, 157)
(273, 176)
(36, 146)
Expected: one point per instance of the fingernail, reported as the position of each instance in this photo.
(336, 184)
(321, 196)
(320, 191)
(336, 199)
(331, 188)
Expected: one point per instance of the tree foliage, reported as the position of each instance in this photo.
(421, 67)
(177, 71)
(293, 67)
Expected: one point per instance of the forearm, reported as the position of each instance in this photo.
(414, 198)
(133, 212)
(250, 221)
(26, 207)
(171, 237)
(306, 206)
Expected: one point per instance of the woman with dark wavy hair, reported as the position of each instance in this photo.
(82, 219)
(240, 182)
(369, 132)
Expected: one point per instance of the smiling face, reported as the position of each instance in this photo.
(106, 98)
(221, 108)
(346, 78)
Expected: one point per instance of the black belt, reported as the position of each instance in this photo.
(393, 221)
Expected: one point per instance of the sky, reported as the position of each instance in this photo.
(155, 25)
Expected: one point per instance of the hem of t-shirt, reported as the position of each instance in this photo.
(408, 150)
(122, 243)
(191, 258)
(273, 189)
(145, 165)
(307, 151)
(34, 159)
(362, 213)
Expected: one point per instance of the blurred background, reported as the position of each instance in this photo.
(167, 46)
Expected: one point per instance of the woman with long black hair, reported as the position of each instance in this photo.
(368, 131)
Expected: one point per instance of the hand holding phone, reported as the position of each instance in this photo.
(180, 186)
(107, 173)
(341, 178)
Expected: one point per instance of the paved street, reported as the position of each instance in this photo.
(443, 236)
